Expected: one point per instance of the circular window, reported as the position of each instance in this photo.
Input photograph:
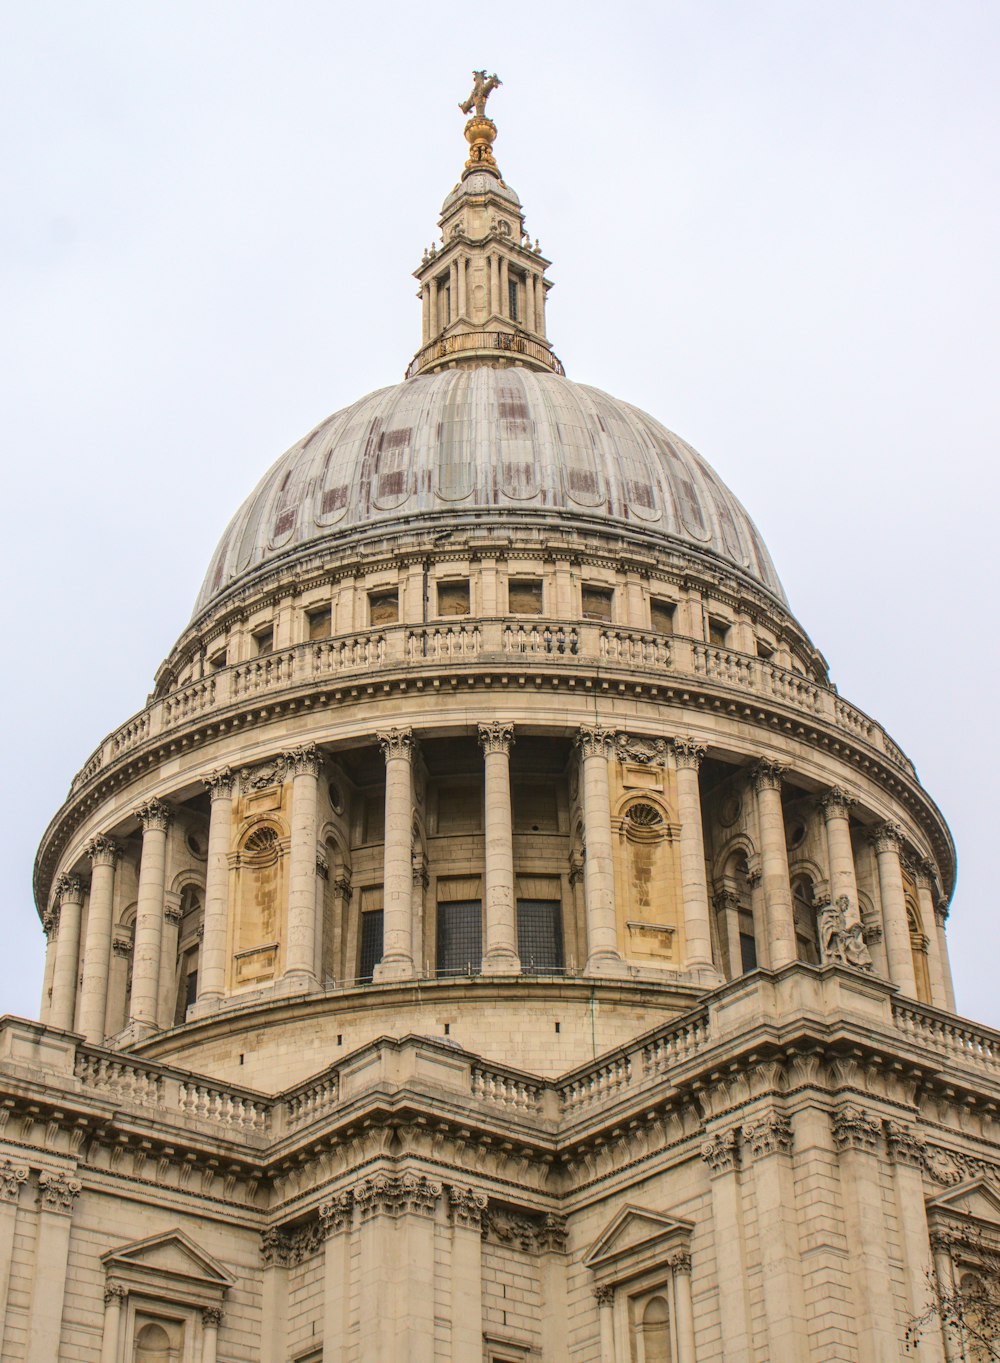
(196, 845)
(795, 834)
(730, 810)
(336, 798)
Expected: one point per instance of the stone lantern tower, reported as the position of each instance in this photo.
(496, 940)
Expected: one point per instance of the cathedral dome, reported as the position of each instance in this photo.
(473, 442)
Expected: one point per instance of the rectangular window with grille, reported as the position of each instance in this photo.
(371, 944)
(539, 936)
(460, 937)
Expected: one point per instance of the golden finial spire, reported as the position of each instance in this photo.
(480, 131)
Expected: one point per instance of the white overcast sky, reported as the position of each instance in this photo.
(773, 225)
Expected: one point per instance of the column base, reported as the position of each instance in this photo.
(705, 976)
(606, 963)
(297, 983)
(386, 971)
(500, 963)
(133, 1034)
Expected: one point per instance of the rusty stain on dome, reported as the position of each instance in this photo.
(489, 439)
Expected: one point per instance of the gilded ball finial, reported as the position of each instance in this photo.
(480, 131)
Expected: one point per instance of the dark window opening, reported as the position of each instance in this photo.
(319, 623)
(540, 936)
(524, 596)
(453, 598)
(263, 640)
(764, 651)
(661, 615)
(218, 660)
(371, 944)
(748, 952)
(718, 632)
(383, 607)
(512, 298)
(596, 603)
(804, 915)
(460, 937)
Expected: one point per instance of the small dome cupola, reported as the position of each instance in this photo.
(483, 287)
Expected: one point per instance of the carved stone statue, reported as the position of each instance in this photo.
(482, 87)
(842, 943)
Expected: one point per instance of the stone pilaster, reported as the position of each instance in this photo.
(397, 918)
(155, 817)
(13, 1177)
(776, 886)
(887, 841)
(300, 945)
(767, 1143)
(688, 757)
(396, 1227)
(57, 1195)
(595, 746)
(680, 1269)
(105, 855)
(721, 1153)
(466, 1208)
(66, 969)
(906, 1155)
(500, 956)
(336, 1216)
(212, 960)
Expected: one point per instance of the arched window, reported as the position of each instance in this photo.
(654, 1331)
(804, 914)
(918, 950)
(154, 1345)
(188, 951)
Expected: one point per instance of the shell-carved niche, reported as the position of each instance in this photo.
(647, 879)
(260, 894)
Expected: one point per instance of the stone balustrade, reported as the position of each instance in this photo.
(570, 646)
(975, 1046)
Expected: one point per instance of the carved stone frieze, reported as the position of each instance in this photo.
(853, 1129)
(503, 1226)
(466, 1206)
(396, 1194)
(644, 752)
(496, 737)
(12, 1179)
(57, 1192)
(769, 1134)
(263, 775)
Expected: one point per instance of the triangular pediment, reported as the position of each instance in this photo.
(977, 1200)
(170, 1255)
(633, 1230)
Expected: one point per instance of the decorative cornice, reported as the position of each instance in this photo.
(154, 815)
(766, 775)
(903, 1146)
(219, 784)
(721, 1152)
(396, 1194)
(853, 1129)
(305, 760)
(395, 743)
(12, 1179)
(643, 752)
(594, 740)
(836, 804)
(466, 1207)
(496, 737)
(886, 837)
(770, 1134)
(688, 754)
(57, 1192)
(336, 1213)
(104, 851)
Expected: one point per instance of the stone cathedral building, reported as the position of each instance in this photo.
(496, 940)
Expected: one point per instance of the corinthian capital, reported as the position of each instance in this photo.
(688, 754)
(103, 851)
(303, 760)
(853, 1129)
(68, 888)
(594, 740)
(12, 1179)
(836, 803)
(57, 1192)
(496, 737)
(766, 775)
(155, 816)
(886, 837)
(220, 784)
(466, 1206)
(768, 1135)
(395, 743)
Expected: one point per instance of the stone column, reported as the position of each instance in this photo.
(721, 1153)
(605, 1298)
(551, 1240)
(858, 1139)
(396, 1266)
(433, 291)
(494, 285)
(887, 839)
(504, 291)
(453, 290)
(500, 955)
(774, 864)
(836, 806)
(155, 818)
(335, 1221)
(105, 855)
(727, 910)
(397, 880)
(50, 926)
(540, 307)
(940, 923)
(114, 1300)
(923, 874)
(211, 1319)
(463, 279)
(680, 1265)
(57, 1194)
(768, 1141)
(758, 909)
(13, 1178)
(529, 301)
(466, 1208)
(344, 943)
(425, 318)
(603, 956)
(906, 1153)
(300, 943)
(944, 1272)
(66, 971)
(688, 757)
(212, 962)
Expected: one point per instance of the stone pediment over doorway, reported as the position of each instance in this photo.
(635, 1234)
(977, 1200)
(168, 1258)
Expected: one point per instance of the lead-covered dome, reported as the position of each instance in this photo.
(508, 441)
